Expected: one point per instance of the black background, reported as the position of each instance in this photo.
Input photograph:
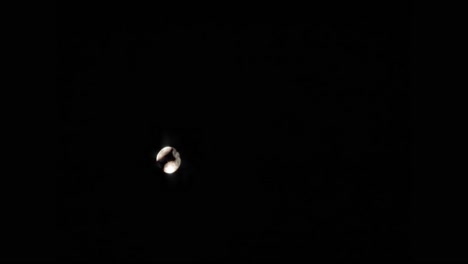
(293, 134)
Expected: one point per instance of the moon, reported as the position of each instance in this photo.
(168, 159)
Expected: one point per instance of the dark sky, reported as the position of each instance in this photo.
(293, 134)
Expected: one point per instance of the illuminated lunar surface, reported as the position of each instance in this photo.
(168, 159)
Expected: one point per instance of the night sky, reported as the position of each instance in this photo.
(293, 135)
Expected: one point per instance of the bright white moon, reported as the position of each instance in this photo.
(168, 159)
